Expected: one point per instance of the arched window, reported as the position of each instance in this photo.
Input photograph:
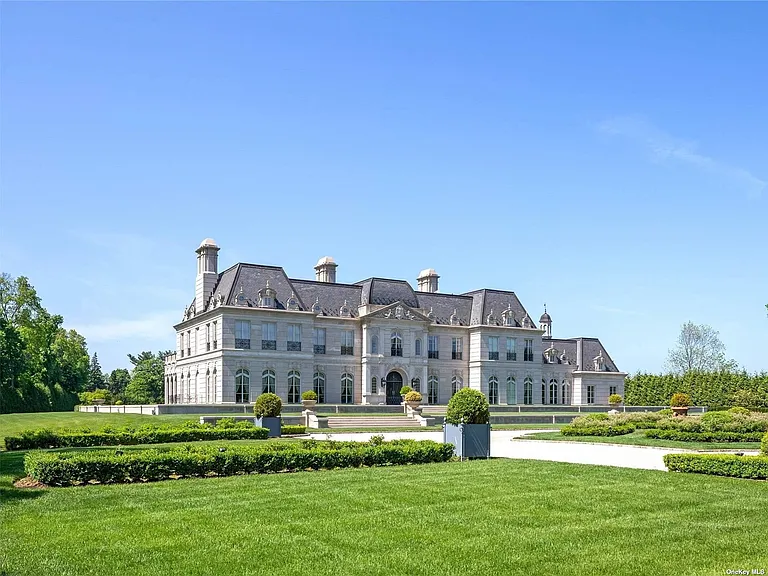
(375, 345)
(189, 387)
(346, 388)
(374, 386)
(417, 347)
(396, 341)
(566, 393)
(528, 390)
(183, 397)
(318, 385)
(214, 384)
(493, 390)
(511, 390)
(543, 391)
(208, 386)
(432, 385)
(242, 386)
(416, 384)
(553, 391)
(294, 387)
(268, 381)
(456, 384)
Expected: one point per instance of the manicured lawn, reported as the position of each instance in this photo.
(12, 424)
(637, 438)
(482, 517)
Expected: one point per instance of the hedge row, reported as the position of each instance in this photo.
(73, 468)
(71, 439)
(724, 389)
(764, 444)
(704, 436)
(755, 467)
(598, 430)
(288, 429)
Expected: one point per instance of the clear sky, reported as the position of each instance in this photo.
(610, 160)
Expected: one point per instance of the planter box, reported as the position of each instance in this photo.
(469, 440)
(271, 423)
(98, 401)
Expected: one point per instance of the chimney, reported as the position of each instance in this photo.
(428, 280)
(325, 270)
(207, 272)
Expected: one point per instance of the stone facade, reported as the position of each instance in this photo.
(252, 329)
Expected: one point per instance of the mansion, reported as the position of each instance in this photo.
(250, 329)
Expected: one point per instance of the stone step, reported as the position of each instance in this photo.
(373, 422)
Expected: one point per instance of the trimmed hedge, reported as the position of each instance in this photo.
(73, 468)
(599, 430)
(755, 467)
(764, 444)
(45, 438)
(291, 429)
(683, 436)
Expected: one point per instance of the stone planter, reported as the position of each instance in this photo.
(98, 401)
(469, 440)
(413, 403)
(271, 423)
(680, 410)
(309, 404)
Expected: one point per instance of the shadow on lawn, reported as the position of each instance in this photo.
(12, 467)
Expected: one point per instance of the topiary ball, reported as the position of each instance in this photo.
(468, 406)
(680, 400)
(413, 396)
(309, 395)
(267, 405)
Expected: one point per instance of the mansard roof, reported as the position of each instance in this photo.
(331, 296)
(590, 348)
(487, 300)
(443, 305)
(385, 291)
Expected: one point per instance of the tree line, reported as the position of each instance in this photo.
(44, 367)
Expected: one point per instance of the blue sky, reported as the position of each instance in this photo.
(610, 160)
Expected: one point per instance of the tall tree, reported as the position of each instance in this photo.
(96, 378)
(118, 381)
(698, 349)
(146, 386)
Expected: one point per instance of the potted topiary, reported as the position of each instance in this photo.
(614, 400)
(404, 390)
(267, 409)
(680, 403)
(309, 399)
(467, 424)
(413, 398)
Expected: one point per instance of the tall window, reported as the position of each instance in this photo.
(374, 385)
(183, 390)
(566, 392)
(396, 341)
(432, 347)
(416, 384)
(294, 387)
(215, 335)
(511, 390)
(590, 394)
(417, 347)
(189, 346)
(347, 343)
(294, 338)
(543, 391)
(432, 385)
(528, 352)
(214, 383)
(208, 386)
(375, 344)
(457, 348)
(612, 390)
(242, 386)
(318, 341)
(242, 334)
(493, 390)
(318, 385)
(268, 336)
(268, 381)
(346, 388)
(528, 391)
(511, 349)
(208, 337)
(493, 347)
(553, 391)
(455, 384)
(196, 341)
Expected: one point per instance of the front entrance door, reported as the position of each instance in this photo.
(394, 383)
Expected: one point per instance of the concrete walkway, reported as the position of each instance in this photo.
(504, 445)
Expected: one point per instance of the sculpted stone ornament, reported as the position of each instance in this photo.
(399, 312)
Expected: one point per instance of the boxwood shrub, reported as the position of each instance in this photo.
(468, 406)
(755, 467)
(683, 436)
(68, 468)
(287, 429)
(267, 405)
(148, 434)
(598, 430)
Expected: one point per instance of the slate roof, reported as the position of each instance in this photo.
(590, 348)
(443, 305)
(384, 291)
(486, 300)
(331, 296)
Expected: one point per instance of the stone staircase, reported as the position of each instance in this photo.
(434, 410)
(372, 422)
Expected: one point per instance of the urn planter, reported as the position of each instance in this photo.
(271, 423)
(413, 403)
(309, 404)
(98, 401)
(680, 410)
(469, 440)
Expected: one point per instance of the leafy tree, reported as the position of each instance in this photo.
(146, 386)
(118, 381)
(698, 349)
(96, 378)
(12, 361)
(19, 302)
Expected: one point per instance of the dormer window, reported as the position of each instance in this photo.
(344, 311)
(292, 303)
(599, 362)
(454, 319)
(431, 314)
(490, 319)
(316, 308)
(267, 297)
(508, 317)
(241, 300)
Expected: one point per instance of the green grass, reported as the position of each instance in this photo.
(481, 517)
(637, 438)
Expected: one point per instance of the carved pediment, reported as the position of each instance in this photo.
(398, 311)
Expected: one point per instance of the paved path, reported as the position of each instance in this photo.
(503, 445)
